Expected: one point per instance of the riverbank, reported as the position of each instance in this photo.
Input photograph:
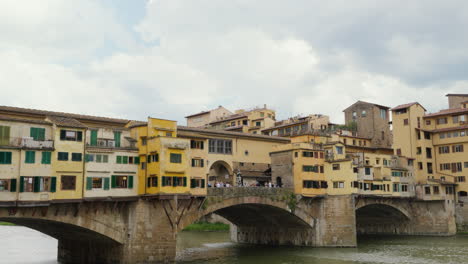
(6, 224)
(207, 227)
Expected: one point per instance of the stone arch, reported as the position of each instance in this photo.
(382, 218)
(220, 171)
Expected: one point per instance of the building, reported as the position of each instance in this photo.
(202, 119)
(456, 100)
(368, 120)
(299, 126)
(250, 121)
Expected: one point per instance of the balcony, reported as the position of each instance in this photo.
(29, 143)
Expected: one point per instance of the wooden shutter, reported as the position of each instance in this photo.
(21, 188)
(13, 185)
(130, 182)
(192, 143)
(148, 182)
(175, 181)
(117, 138)
(41, 134)
(53, 184)
(33, 133)
(137, 160)
(192, 183)
(148, 160)
(119, 159)
(106, 183)
(37, 183)
(79, 136)
(163, 179)
(193, 162)
(202, 162)
(202, 143)
(203, 183)
(454, 167)
(93, 137)
(125, 159)
(89, 183)
(63, 134)
(113, 181)
(7, 157)
(185, 181)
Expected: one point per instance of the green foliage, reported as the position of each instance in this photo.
(291, 201)
(6, 224)
(351, 126)
(205, 226)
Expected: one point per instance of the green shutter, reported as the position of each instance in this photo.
(163, 179)
(4, 135)
(185, 181)
(148, 182)
(175, 181)
(30, 157)
(37, 183)
(53, 184)
(46, 157)
(119, 159)
(106, 183)
(117, 138)
(13, 185)
(41, 134)
(137, 160)
(113, 181)
(93, 137)
(203, 183)
(130, 182)
(125, 159)
(89, 183)
(192, 183)
(21, 189)
(33, 133)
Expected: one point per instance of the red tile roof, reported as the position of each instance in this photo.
(448, 112)
(404, 106)
(457, 95)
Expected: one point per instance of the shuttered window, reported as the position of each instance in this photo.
(77, 157)
(176, 158)
(117, 136)
(93, 138)
(37, 134)
(62, 156)
(122, 181)
(4, 135)
(5, 157)
(30, 157)
(46, 157)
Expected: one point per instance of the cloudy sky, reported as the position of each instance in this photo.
(170, 58)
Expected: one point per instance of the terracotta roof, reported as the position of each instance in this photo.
(200, 113)
(45, 113)
(65, 121)
(363, 102)
(14, 119)
(229, 118)
(233, 127)
(135, 123)
(447, 112)
(449, 129)
(457, 95)
(284, 125)
(404, 106)
(230, 133)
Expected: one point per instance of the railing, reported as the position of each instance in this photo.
(28, 142)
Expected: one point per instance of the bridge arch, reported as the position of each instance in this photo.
(220, 171)
(382, 217)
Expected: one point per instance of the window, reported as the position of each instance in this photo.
(5, 157)
(220, 146)
(97, 183)
(428, 122)
(457, 167)
(62, 156)
(418, 135)
(405, 121)
(26, 184)
(383, 113)
(455, 134)
(308, 168)
(314, 184)
(398, 152)
(367, 171)
(442, 121)
(420, 165)
(37, 134)
(308, 154)
(154, 157)
(418, 150)
(404, 188)
(429, 153)
(339, 150)
(455, 119)
(121, 182)
(338, 185)
(436, 190)
(71, 135)
(68, 182)
(143, 165)
(354, 115)
(445, 166)
(46, 157)
(176, 158)
(152, 181)
(7, 185)
(77, 157)
(30, 157)
(466, 164)
(336, 166)
(93, 137)
(460, 179)
(245, 122)
(144, 141)
(168, 134)
(457, 148)
(258, 123)
(100, 158)
(197, 162)
(397, 173)
(4, 135)
(117, 136)
(429, 168)
(363, 113)
(427, 135)
(427, 190)
(197, 183)
(396, 187)
(196, 144)
(442, 135)
(444, 149)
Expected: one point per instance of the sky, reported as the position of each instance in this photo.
(171, 58)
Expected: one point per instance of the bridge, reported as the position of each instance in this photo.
(144, 229)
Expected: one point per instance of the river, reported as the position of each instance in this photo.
(23, 245)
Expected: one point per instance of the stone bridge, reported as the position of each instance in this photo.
(144, 229)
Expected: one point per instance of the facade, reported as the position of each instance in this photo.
(202, 119)
(456, 100)
(370, 121)
(299, 125)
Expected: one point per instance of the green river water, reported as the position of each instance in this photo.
(23, 245)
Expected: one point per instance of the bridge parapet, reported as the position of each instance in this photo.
(235, 192)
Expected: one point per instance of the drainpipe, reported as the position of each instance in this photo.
(83, 186)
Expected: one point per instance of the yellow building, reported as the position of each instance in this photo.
(252, 121)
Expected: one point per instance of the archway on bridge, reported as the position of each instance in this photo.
(220, 172)
(381, 219)
(75, 243)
